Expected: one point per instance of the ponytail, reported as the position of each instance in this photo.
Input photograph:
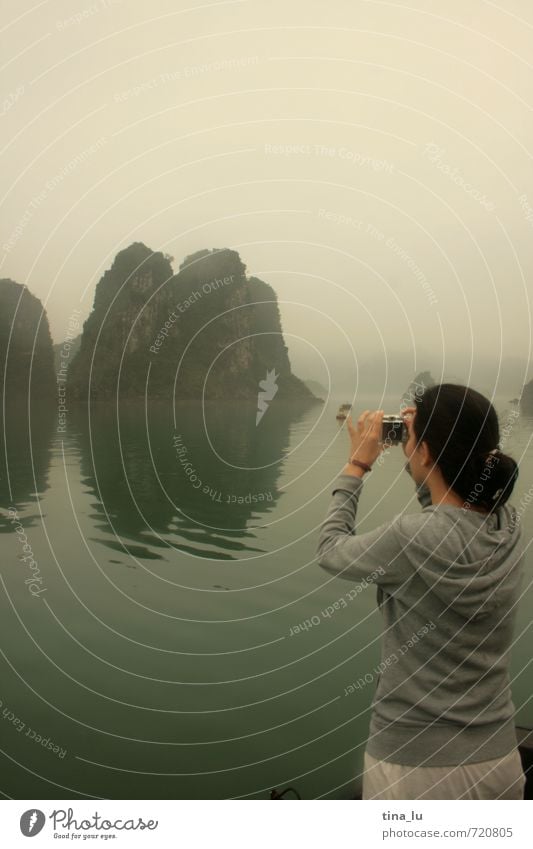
(460, 427)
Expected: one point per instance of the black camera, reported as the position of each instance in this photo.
(394, 430)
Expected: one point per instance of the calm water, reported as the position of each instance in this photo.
(173, 558)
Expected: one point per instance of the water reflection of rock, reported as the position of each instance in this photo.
(25, 452)
(200, 485)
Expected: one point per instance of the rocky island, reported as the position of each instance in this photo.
(26, 353)
(208, 332)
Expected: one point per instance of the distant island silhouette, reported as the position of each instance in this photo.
(208, 332)
(422, 381)
(526, 399)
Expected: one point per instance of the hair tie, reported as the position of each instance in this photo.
(482, 455)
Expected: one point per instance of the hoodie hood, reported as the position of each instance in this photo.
(469, 560)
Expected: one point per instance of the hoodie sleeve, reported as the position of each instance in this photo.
(377, 554)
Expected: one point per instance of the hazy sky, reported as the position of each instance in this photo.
(371, 160)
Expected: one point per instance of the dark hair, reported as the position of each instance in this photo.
(461, 429)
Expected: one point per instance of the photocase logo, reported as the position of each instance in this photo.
(32, 822)
(268, 388)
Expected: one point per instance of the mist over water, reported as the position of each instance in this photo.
(168, 635)
(216, 194)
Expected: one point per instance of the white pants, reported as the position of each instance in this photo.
(502, 778)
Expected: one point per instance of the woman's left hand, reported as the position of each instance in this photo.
(365, 437)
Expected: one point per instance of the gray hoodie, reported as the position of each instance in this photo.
(448, 585)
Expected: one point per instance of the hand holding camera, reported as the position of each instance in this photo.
(376, 432)
(365, 438)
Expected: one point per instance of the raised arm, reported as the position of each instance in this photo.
(379, 554)
(376, 555)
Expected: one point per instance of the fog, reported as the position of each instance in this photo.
(370, 160)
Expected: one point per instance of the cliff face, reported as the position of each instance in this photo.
(208, 351)
(206, 332)
(270, 349)
(25, 344)
(117, 333)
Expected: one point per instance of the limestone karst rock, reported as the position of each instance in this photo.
(207, 331)
(26, 353)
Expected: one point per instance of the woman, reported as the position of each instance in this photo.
(448, 585)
